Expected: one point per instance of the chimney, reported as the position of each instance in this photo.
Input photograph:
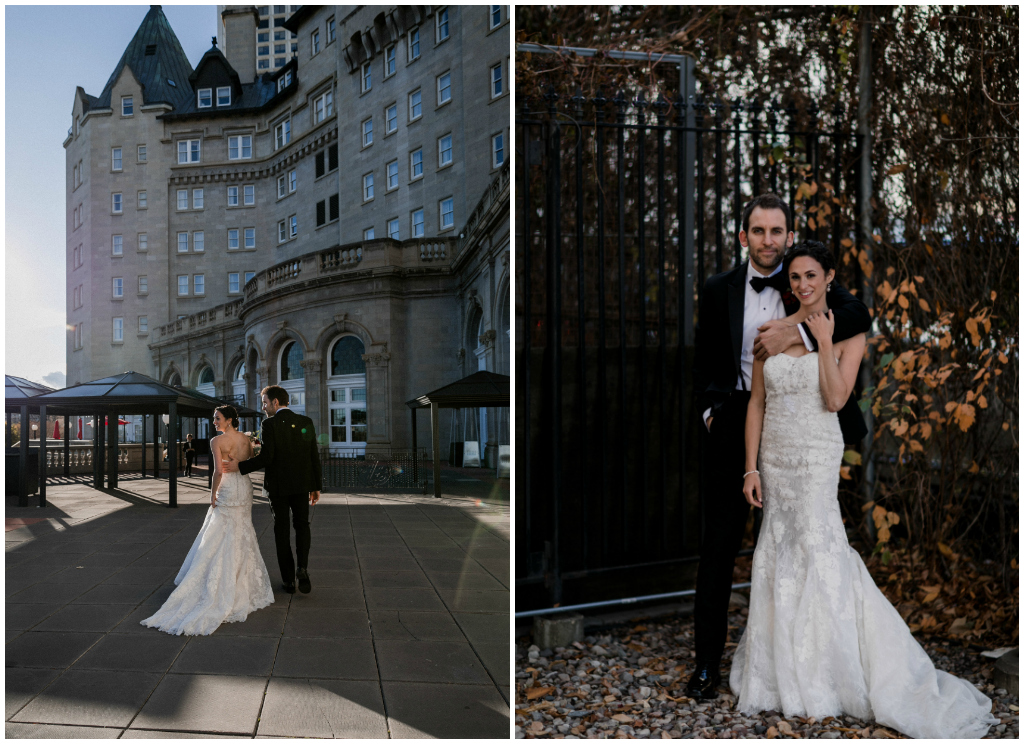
(238, 24)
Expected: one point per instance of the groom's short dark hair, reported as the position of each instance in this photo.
(767, 201)
(276, 392)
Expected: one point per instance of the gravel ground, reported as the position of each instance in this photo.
(629, 682)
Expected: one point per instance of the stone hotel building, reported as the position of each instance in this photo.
(337, 225)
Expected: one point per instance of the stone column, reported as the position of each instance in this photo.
(314, 394)
(490, 453)
(378, 401)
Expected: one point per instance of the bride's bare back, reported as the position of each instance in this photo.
(231, 444)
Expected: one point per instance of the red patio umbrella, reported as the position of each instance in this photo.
(56, 430)
(79, 427)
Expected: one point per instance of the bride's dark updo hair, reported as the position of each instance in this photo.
(230, 414)
(811, 249)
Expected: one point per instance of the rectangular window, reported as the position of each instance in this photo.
(189, 151)
(143, 242)
(183, 242)
(282, 134)
(263, 50)
(281, 187)
(143, 285)
(282, 232)
(182, 198)
(118, 330)
(293, 223)
(321, 213)
(414, 44)
(368, 132)
(232, 196)
(393, 229)
(391, 118)
(250, 237)
(78, 335)
(389, 61)
(417, 223)
(233, 239)
(115, 158)
(197, 198)
(249, 276)
(495, 16)
(444, 88)
(199, 284)
(127, 106)
(331, 30)
(366, 77)
(118, 245)
(320, 167)
(233, 283)
(182, 284)
(143, 324)
(240, 147)
(249, 195)
(442, 25)
(118, 287)
(205, 97)
(323, 107)
(497, 150)
(415, 105)
(142, 153)
(333, 202)
(367, 187)
(284, 81)
(332, 157)
(392, 168)
(224, 96)
(447, 209)
(415, 164)
(263, 64)
(496, 87)
(368, 233)
(142, 200)
(115, 203)
(444, 151)
(314, 43)
(199, 241)
(292, 182)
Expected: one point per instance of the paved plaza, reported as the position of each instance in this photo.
(405, 634)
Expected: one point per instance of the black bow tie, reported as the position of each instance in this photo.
(775, 281)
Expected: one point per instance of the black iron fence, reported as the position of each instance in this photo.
(625, 206)
(402, 469)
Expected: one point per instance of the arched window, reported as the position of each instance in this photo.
(347, 357)
(206, 376)
(240, 372)
(291, 363)
(175, 379)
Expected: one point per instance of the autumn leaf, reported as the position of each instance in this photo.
(844, 472)
(622, 718)
(852, 457)
(897, 169)
(974, 467)
(535, 692)
(965, 416)
(771, 733)
(904, 302)
(924, 306)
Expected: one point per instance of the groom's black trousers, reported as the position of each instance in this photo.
(725, 517)
(298, 503)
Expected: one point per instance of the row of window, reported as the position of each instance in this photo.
(443, 83)
(446, 220)
(238, 237)
(234, 284)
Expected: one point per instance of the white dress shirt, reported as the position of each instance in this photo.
(758, 309)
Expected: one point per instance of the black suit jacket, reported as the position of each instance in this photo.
(719, 336)
(289, 454)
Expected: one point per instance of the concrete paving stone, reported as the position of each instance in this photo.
(429, 661)
(483, 627)
(163, 560)
(198, 702)
(499, 569)
(131, 624)
(131, 550)
(51, 731)
(315, 622)
(85, 617)
(388, 562)
(320, 561)
(151, 652)
(34, 571)
(21, 685)
(327, 658)
(472, 600)
(10, 635)
(489, 555)
(465, 564)
(347, 578)
(439, 711)
(149, 575)
(405, 598)
(25, 616)
(86, 576)
(395, 579)
(410, 625)
(47, 593)
(116, 594)
(396, 549)
(469, 580)
(237, 655)
(323, 708)
(94, 698)
(158, 597)
(139, 734)
(267, 622)
(326, 550)
(497, 659)
(450, 552)
(15, 584)
(343, 598)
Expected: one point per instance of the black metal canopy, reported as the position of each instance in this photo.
(480, 390)
(127, 393)
(18, 391)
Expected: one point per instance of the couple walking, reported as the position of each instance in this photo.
(779, 345)
(224, 577)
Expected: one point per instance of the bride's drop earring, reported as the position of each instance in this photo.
(829, 287)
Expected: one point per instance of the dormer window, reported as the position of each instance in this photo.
(224, 96)
(205, 97)
(127, 109)
(284, 81)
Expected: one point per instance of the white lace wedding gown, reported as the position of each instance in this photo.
(821, 639)
(224, 577)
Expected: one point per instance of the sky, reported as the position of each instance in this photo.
(49, 50)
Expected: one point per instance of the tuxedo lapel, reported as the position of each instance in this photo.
(735, 300)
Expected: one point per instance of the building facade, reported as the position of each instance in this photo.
(273, 44)
(338, 226)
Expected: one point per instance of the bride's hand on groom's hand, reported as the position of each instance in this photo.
(752, 490)
(822, 326)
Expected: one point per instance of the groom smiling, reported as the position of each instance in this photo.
(742, 316)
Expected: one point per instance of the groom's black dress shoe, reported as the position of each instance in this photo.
(303, 576)
(289, 586)
(704, 682)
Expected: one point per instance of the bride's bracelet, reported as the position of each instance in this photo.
(752, 472)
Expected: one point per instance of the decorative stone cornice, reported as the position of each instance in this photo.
(311, 365)
(379, 359)
(487, 338)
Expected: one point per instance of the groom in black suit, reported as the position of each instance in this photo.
(742, 316)
(292, 480)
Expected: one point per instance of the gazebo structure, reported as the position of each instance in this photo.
(129, 393)
(480, 390)
(19, 395)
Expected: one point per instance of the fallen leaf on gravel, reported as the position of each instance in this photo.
(535, 692)
(785, 728)
(537, 726)
(771, 733)
(622, 718)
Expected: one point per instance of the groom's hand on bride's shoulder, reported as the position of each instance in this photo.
(773, 337)
(229, 464)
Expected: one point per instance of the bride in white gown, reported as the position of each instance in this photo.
(821, 638)
(224, 577)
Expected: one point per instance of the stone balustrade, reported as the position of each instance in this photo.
(201, 321)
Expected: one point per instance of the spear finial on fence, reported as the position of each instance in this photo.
(599, 102)
(755, 110)
(717, 106)
(680, 106)
(660, 107)
(640, 104)
(621, 103)
(578, 100)
(699, 108)
(771, 117)
(552, 98)
(812, 113)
